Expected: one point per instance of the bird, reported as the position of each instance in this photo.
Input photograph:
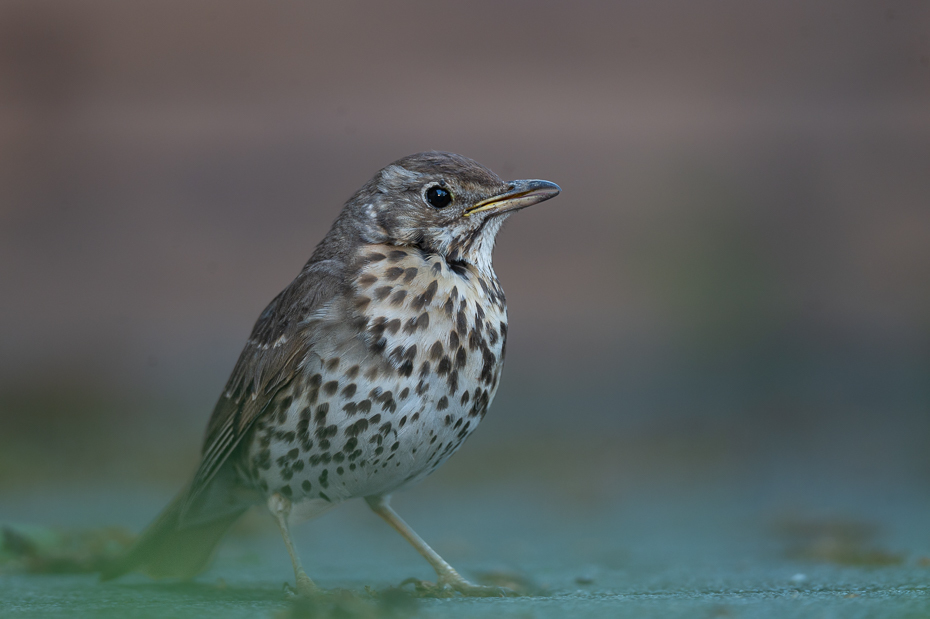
(364, 375)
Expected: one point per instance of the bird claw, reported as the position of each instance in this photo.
(448, 586)
(305, 588)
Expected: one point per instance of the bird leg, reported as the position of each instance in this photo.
(447, 577)
(280, 508)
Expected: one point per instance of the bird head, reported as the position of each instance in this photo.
(440, 203)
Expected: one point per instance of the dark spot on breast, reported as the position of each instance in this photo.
(398, 297)
(431, 291)
(349, 390)
(422, 387)
(448, 420)
(465, 397)
(395, 446)
(379, 345)
(492, 336)
(306, 485)
(320, 416)
(357, 428)
(404, 393)
(393, 273)
(361, 303)
(292, 454)
(402, 422)
(459, 268)
(298, 465)
(474, 341)
(324, 497)
(376, 418)
(449, 306)
(437, 267)
(453, 340)
(424, 369)
(435, 351)
(367, 279)
(453, 382)
(460, 357)
(330, 387)
(411, 326)
(382, 292)
(352, 372)
(324, 478)
(364, 406)
(340, 470)
(445, 365)
(461, 323)
(405, 369)
(286, 491)
(385, 429)
(397, 255)
(393, 326)
(489, 365)
(442, 404)
(375, 257)
(409, 274)
(377, 326)
(326, 431)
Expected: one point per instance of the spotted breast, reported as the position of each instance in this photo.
(381, 407)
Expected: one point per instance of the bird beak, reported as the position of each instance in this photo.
(521, 194)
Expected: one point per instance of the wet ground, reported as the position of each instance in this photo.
(695, 547)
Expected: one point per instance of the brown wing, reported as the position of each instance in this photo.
(279, 343)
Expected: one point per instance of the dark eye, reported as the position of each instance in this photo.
(438, 197)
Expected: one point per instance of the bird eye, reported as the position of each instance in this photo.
(438, 197)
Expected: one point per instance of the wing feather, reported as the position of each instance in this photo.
(281, 340)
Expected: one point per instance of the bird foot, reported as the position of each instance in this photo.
(305, 587)
(448, 586)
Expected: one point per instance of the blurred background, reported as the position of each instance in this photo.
(730, 300)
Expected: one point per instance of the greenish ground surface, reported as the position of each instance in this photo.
(708, 550)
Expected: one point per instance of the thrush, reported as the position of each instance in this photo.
(364, 374)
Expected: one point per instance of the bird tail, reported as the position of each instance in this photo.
(175, 545)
